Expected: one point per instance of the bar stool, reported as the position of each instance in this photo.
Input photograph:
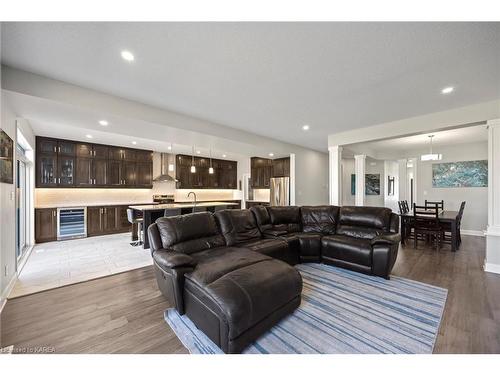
(133, 218)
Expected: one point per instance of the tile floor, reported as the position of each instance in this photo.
(55, 264)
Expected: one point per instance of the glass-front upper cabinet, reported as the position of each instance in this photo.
(47, 170)
(66, 169)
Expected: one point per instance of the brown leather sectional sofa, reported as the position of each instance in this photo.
(232, 272)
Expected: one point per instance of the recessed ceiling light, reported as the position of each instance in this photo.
(169, 147)
(127, 55)
(89, 136)
(198, 152)
(305, 127)
(271, 154)
(447, 90)
(103, 123)
(134, 142)
(224, 155)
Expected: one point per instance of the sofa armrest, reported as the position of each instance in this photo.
(387, 239)
(173, 259)
(384, 253)
(275, 233)
(170, 268)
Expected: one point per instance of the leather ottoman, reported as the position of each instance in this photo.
(235, 309)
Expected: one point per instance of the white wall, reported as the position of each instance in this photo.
(476, 210)
(7, 208)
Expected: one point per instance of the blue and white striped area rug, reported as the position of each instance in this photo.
(343, 312)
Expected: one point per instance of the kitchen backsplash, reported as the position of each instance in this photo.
(261, 195)
(82, 197)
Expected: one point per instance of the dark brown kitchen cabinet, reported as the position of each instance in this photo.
(46, 170)
(107, 220)
(62, 163)
(119, 153)
(128, 171)
(91, 172)
(225, 174)
(143, 156)
(114, 175)
(143, 174)
(45, 224)
(94, 221)
(261, 171)
(281, 167)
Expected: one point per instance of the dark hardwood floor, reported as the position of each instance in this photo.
(124, 313)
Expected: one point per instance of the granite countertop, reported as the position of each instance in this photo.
(70, 205)
(173, 206)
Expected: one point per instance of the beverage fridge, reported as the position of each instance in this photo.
(280, 191)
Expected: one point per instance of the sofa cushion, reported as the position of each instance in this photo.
(347, 249)
(262, 217)
(215, 263)
(247, 295)
(189, 233)
(273, 247)
(237, 226)
(319, 219)
(285, 218)
(310, 245)
(364, 222)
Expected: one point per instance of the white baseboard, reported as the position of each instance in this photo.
(491, 267)
(467, 232)
(3, 301)
(9, 287)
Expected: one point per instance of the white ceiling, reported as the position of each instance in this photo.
(400, 147)
(271, 78)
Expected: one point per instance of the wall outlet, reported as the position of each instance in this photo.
(12, 195)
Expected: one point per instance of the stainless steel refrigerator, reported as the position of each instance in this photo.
(280, 191)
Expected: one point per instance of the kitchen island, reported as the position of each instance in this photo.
(151, 212)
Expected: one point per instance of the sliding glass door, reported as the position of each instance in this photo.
(22, 204)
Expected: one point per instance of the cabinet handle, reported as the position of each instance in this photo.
(55, 149)
(59, 180)
(59, 149)
(54, 213)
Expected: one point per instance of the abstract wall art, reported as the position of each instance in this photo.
(6, 158)
(460, 174)
(372, 184)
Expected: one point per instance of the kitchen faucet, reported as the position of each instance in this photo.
(192, 192)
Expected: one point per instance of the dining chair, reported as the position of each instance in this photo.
(459, 221)
(406, 206)
(447, 227)
(440, 204)
(426, 224)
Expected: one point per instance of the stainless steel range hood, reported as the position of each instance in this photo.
(164, 174)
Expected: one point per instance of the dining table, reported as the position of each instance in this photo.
(444, 216)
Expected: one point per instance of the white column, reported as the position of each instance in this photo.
(402, 180)
(335, 174)
(359, 170)
(492, 261)
(292, 179)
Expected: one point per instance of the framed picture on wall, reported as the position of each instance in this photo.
(372, 184)
(6, 158)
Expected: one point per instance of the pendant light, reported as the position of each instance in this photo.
(431, 156)
(211, 169)
(193, 167)
(171, 165)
